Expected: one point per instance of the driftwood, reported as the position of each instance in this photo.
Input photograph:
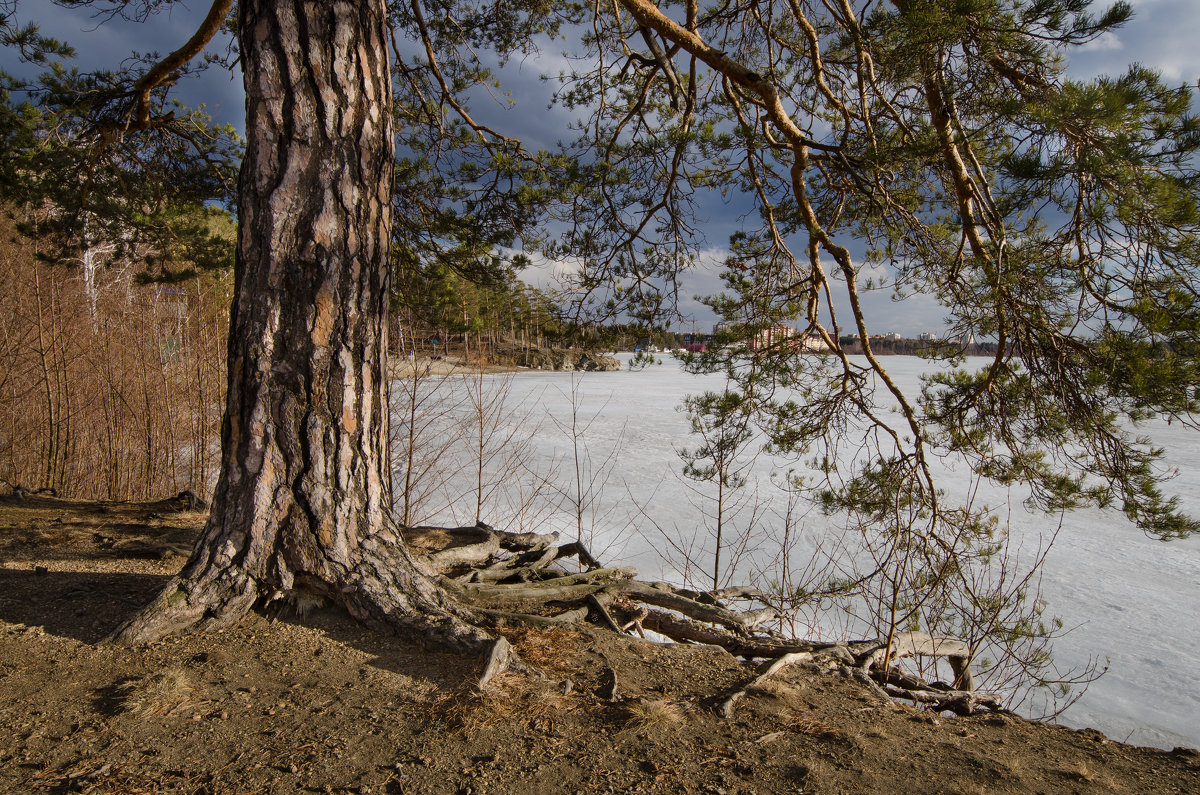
(684, 630)
(495, 617)
(472, 554)
(490, 570)
(912, 644)
(17, 492)
(715, 613)
(959, 702)
(566, 587)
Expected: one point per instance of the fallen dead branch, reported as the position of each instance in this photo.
(777, 665)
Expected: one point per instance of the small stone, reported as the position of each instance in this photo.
(293, 769)
(40, 570)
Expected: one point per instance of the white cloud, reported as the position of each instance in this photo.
(1161, 35)
(544, 272)
(1108, 41)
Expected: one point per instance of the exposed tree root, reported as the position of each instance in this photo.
(602, 610)
(957, 701)
(726, 708)
(459, 580)
(191, 604)
(620, 602)
(383, 588)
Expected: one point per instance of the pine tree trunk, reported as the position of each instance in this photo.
(303, 494)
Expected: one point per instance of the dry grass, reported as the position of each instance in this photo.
(428, 539)
(1080, 771)
(653, 714)
(509, 699)
(162, 693)
(815, 728)
(553, 650)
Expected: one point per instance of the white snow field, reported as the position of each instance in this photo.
(1129, 600)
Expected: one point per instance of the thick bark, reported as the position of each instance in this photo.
(302, 499)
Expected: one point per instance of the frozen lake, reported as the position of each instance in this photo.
(1128, 600)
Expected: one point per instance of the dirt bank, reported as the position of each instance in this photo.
(320, 705)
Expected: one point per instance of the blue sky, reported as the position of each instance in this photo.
(1162, 35)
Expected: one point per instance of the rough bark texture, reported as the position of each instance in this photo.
(302, 497)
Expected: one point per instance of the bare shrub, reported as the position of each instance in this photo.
(423, 407)
(109, 389)
(581, 489)
(507, 483)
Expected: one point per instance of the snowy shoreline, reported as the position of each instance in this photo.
(1125, 597)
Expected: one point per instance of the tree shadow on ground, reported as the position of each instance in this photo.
(82, 605)
(78, 569)
(47, 528)
(396, 654)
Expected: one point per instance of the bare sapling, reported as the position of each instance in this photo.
(721, 464)
(499, 471)
(584, 493)
(422, 439)
(801, 571)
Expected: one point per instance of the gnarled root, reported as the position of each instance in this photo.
(726, 708)
(191, 604)
(498, 577)
(383, 588)
(386, 591)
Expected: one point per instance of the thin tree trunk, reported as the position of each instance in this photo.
(50, 447)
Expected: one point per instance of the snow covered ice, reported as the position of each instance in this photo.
(1128, 599)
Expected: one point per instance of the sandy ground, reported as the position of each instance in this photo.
(318, 704)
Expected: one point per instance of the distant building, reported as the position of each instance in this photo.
(928, 336)
(772, 337)
(813, 343)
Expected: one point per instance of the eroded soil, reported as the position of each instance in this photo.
(320, 705)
